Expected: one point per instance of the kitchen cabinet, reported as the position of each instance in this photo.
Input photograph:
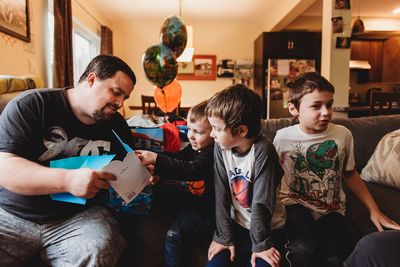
(282, 45)
(383, 55)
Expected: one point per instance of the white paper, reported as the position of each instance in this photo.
(132, 176)
(283, 67)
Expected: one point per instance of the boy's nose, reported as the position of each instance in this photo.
(324, 110)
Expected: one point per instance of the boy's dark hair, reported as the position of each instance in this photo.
(198, 112)
(105, 66)
(307, 83)
(237, 105)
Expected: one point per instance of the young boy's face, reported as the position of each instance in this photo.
(199, 134)
(315, 111)
(221, 134)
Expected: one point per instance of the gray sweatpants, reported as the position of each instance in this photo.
(90, 238)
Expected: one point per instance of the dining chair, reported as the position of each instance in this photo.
(149, 105)
(384, 103)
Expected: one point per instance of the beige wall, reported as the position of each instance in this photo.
(235, 41)
(19, 57)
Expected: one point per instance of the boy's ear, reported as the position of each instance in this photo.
(242, 130)
(293, 110)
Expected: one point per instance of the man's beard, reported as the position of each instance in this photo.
(98, 115)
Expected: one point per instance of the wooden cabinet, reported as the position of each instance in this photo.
(371, 51)
(282, 45)
(382, 54)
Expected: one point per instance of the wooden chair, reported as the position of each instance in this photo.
(384, 103)
(149, 106)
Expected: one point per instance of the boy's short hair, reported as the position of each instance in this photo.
(307, 83)
(197, 112)
(105, 66)
(237, 105)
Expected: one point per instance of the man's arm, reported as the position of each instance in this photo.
(25, 177)
(358, 187)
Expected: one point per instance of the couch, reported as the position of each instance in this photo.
(11, 86)
(149, 230)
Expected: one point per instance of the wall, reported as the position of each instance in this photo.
(225, 40)
(30, 58)
(21, 58)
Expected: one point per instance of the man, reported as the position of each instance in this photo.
(44, 125)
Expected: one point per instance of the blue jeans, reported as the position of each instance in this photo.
(188, 225)
(243, 251)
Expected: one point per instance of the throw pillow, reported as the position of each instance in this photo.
(383, 166)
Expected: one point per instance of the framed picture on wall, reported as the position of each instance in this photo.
(343, 42)
(204, 68)
(14, 18)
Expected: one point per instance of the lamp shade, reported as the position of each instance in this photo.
(358, 26)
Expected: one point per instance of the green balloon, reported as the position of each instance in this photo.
(174, 35)
(160, 65)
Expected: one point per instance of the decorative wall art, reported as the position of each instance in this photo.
(204, 68)
(14, 18)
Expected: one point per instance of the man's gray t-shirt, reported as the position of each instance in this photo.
(40, 126)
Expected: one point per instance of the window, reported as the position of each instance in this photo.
(86, 45)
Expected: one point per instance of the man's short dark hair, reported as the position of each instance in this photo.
(307, 83)
(237, 105)
(105, 66)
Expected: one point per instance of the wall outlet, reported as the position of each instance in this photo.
(32, 66)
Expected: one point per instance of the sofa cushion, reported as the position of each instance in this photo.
(383, 166)
(367, 132)
(5, 98)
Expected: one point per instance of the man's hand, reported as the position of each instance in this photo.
(147, 157)
(216, 248)
(154, 180)
(272, 256)
(86, 182)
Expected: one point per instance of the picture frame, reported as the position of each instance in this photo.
(204, 68)
(343, 42)
(14, 19)
(342, 4)
(337, 24)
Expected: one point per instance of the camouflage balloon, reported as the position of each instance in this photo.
(174, 35)
(160, 65)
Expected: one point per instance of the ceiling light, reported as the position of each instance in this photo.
(187, 54)
(396, 11)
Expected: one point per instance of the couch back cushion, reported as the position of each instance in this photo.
(367, 131)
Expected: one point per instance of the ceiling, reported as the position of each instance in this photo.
(224, 10)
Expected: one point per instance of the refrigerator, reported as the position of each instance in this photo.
(278, 73)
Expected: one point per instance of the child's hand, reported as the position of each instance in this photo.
(381, 220)
(147, 157)
(272, 256)
(216, 248)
